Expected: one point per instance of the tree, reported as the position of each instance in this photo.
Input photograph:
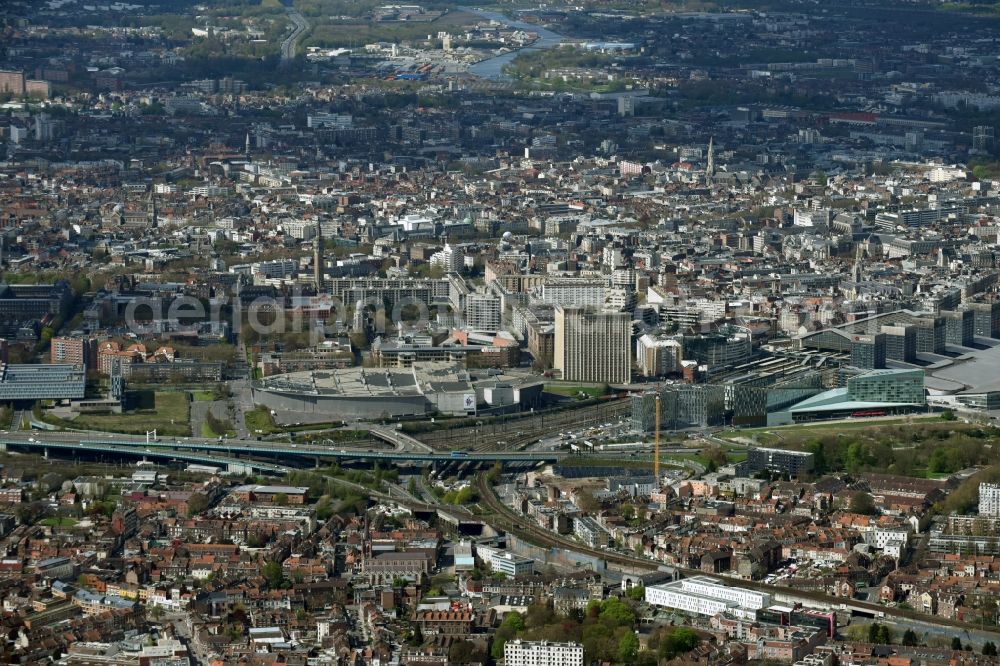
(599, 642)
(645, 658)
(956, 643)
(46, 336)
(197, 503)
(988, 605)
(80, 284)
(858, 456)
(716, 457)
(863, 503)
(587, 502)
(539, 614)
(281, 499)
(857, 633)
(819, 459)
(465, 652)
(947, 415)
(324, 509)
(618, 612)
(274, 575)
(679, 641)
(989, 649)
(495, 471)
(628, 647)
(909, 638)
(513, 621)
(940, 462)
(884, 635)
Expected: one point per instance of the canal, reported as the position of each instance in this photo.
(492, 68)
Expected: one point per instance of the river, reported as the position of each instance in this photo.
(492, 68)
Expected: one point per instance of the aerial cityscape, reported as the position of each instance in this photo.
(609, 333)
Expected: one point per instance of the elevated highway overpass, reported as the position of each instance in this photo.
(246, 450)
(278, 457)
(401, 441)
(138, 449)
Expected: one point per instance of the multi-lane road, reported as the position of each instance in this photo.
(70, 447)
(290, 45)
(407, 450)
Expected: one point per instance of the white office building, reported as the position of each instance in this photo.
(542, 653)
(482, 312)
(572, 291)
(279, 268)
(811, 218)
(450, 259)
(300, 229)
(657, 357)
(703, 596)
(613, 257)
(879, 537)
(511, 565)
(989, 499)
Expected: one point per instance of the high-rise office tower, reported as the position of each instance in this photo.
(593, 345)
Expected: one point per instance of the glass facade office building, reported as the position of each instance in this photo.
(888, 386)
(56, 381)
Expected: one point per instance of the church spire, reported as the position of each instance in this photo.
(710, 162)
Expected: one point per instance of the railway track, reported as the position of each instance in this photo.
(506, 518)
(518, 432)
(518, 525)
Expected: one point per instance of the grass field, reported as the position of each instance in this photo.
(167, 413)
(260, 419)
(209, 433)
(793, 434)
(59, 521)
(931, 447)
(573, 391)
(328, 31)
